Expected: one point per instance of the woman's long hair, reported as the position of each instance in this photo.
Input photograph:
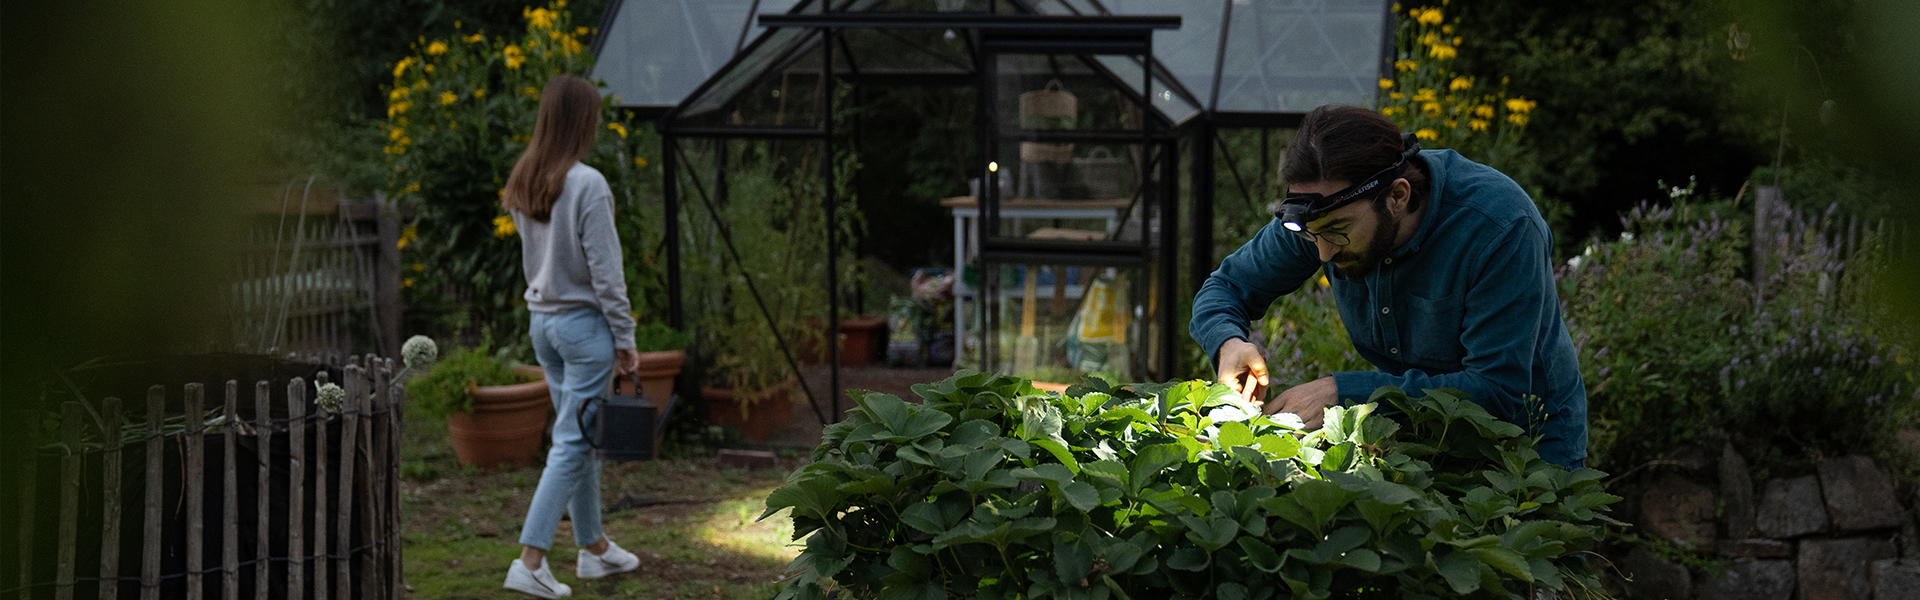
(562, 135)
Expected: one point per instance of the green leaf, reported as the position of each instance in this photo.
(1230, 591)
(1261, 555)
(1072, 560)
(1147, 464)
(1505, 560)
(982, 461)
(1081, 495)
(1363, 559)
(1059, 453)
(924, 422)
(1280, 446)
(1106, 472)
(974, 433)
(1214, 533)
(1340, 541)
(1321, 498)
(925, 516)
(1461, 570)
(885, 409)
(1215, 475)
(1234, 434)
(1187, 559)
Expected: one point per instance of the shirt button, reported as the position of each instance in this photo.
(1389, 261)
(1384, 310)
(1395, 350)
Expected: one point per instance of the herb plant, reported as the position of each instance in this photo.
(444, 388)
(991, 489)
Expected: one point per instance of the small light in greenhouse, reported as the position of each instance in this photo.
(993, 166)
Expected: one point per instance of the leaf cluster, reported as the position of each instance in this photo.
(443, 389)
(990, 488)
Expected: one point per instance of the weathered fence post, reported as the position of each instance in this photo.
(296, 488)
(230, 498)
(30, 464)
(196, 482)
(150, 536)
(398, 580)
(350, 419)
(374, 493)
(110, 495)
(322, 559)
(263, 452)
(70, 464)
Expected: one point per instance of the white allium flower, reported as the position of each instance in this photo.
(419, 351)
(329, 396)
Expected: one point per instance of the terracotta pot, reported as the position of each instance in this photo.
(861, 339)
(657, 370)
(773, 410)
(1048, 386)
(504, 427)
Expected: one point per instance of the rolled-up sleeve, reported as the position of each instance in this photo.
(1273, 263)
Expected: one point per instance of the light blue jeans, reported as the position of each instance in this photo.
(575, 349)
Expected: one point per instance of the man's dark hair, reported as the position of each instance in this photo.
(1349, 143)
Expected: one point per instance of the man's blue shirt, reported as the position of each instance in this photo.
(1467, 303)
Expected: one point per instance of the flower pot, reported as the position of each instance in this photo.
(657, 371)
(504, 427)
(861, 339)
(773, 410)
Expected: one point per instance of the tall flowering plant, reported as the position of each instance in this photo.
(1447, 108)
(460, 111)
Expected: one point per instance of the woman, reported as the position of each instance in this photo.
(582, 330)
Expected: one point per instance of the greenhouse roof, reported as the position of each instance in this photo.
(1245, 57)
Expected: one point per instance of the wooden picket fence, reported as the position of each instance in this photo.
(344, 543)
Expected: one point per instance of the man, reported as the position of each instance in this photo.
(1442, 270)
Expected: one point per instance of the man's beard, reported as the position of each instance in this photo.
(1386, 228)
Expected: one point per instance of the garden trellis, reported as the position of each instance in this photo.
(126, 498)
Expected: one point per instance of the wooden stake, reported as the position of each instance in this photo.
(349, 437)
(263, 450)
(196, 484)
(70, 414)
(110, 495)
(150, 537)
(230, 499)
(296, 488)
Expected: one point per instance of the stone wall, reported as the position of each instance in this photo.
(1840, 534)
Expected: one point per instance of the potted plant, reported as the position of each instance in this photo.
(766, 282)
(662, 351)
(495, 413)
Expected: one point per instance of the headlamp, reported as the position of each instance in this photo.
(1298, 209)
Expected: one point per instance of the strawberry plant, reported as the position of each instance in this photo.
(990, 488)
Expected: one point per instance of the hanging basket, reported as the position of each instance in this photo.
(1052, 107)
(1105, 176)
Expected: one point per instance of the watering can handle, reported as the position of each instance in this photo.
(580, 416)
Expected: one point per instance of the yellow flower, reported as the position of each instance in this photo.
(1427, 134)
(560, 4)
(1425, 95)
(1521, 105)
(474, 38)
(539, 17)
(1456, 40)
(1431, 109)
(448, 98)
(1477, 125)
(1517, 118)
(1386, 83)
(1396, 95)
(513, 56)
(1391, 111)
(1459, 83)
(570, 46)
(407, 236)
(1447, 30)
(503, 226)
(1404, 65)
(1483, 111)
(553, 35)
(618, 128)
(398, 108)
(418, 267)
(411, 187)
(1443, 52)
(1324, 282)
(428, 68)
(480, 93)
(580, 31)
(398, 93)
(436, 48)
(396, 133)
(640, 161)
(1430, 39)
(401, 67)
(408, 282)
(530, 91)
(1429, 16)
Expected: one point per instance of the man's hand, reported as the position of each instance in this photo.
(625, 360)
(1309, 400)
(1243, 369)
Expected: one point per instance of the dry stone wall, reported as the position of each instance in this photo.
(1839, 534)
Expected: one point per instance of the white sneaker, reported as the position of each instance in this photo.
(614, 560)
(539, 583)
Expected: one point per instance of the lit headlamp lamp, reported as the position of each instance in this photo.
(1298, 209)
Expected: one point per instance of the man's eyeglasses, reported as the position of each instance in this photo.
(1337, 238)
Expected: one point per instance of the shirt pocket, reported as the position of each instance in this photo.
(1435, 331)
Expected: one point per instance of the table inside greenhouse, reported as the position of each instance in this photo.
(966, 214)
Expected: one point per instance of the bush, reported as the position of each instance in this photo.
(991, 489)
(1675, 350)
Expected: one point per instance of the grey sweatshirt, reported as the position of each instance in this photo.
(572, 261)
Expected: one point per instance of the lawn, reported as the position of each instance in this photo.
(691, 521)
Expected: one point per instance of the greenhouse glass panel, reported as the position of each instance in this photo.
(1057, 323)
(655, 52)
(776, 84)
(877, 51)
(1294, 55)
(1188, 53)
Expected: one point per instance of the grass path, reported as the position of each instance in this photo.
(462, 527)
